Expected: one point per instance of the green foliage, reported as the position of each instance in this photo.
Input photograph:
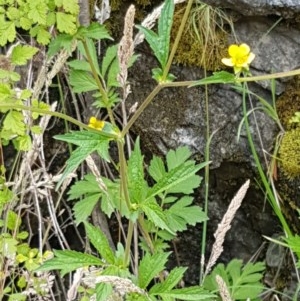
(243, 282)
(67, 261)
(23, 259)
(160, 42)
(100, 242)
(221, 77)
(37, 16)
(87, 143)
(150, 266)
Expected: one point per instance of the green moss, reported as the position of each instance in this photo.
(289, 153)
(289, 103)
(204, 41)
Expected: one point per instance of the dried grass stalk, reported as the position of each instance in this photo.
(225, 225)
(125, 51)
(223, 289)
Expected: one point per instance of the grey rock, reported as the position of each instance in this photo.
(284, 8)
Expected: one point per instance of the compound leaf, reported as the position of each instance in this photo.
(66, 23)
(150, 266)
(100, 242)
(22, 53)
(182, 214)
(170, 282)
(82, 81)
(67, 261)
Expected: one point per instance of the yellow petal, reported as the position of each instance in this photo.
(233, 50)
(244, 49)
(251, 57)
(93, 120)
(227, 62)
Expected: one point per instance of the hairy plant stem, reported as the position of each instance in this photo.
(270, 194)
(99, 83)
(269, 76)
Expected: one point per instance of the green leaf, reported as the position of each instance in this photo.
(159, 43)
(5, 91)
(88, 185)
(164, 29)
(25, 23)
(80, 65)
(67, 261)
(64, 41)
(153, 40)
(92, 53)
(150, 266)
(136, 183)
(38, 12)
(156, 215)
(174, 177)
(7, 31)
(182, 214)
(17, 297)
(8, 247)
(88, 189)
(14, 121)
(23, 143)
(94, 31)
(82, 81)
(242, 282)
(103, 291)
(170, 282)
(87, 142)
(13, 221)
(109, 57)
(22, 53)
(189, 293)
(221, 77)
(83, 208)
(42, 35)
(70, 6)
(100, 242)
(157, 168)
(66, 23)
(177, 157)
(174, 159)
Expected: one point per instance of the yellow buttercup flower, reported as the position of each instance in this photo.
(240, 57)
(96, 124)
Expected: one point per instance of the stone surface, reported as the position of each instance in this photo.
(285, 8)
(276, 49)
(177, 117)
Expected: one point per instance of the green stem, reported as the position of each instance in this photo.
(59, 115)
(141, 109)
(124, 191)
(206, 183)
(269, 76)
(269, 192)
(128, 241)
(177, 39)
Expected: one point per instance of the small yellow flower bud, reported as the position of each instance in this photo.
(96, 124)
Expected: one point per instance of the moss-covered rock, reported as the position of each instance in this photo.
(289, 103)
(204, 40)
(289, 153)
